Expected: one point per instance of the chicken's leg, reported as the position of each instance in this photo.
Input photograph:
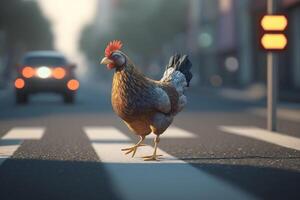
(134, 148)
(154, 156)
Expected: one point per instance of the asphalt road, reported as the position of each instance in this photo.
(64, 163)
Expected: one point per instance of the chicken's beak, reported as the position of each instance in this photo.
(106, 61)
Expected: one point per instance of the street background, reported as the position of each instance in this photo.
(55, 156)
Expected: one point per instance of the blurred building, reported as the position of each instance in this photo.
(2, 59)
(291, 60)
(229, 50)
(289, 63)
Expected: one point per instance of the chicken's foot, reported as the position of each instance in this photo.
(134, 148)
(154, 156)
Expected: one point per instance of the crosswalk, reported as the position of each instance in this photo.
(108, 141)
(170, 178)
(136, 179)
(12, 140)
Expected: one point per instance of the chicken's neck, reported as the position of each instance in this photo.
(129, 86)
(128, 78)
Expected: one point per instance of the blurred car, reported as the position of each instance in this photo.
(45, 71)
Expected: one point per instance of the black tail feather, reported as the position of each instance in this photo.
(183, 64)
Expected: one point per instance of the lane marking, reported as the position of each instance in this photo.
(175, 132)
(170, 178)
(283, 113)
(7, 151)
(112, 134)
(13, 139)
(264, 135)
(24, 133)
(111, 153)
(104, 133)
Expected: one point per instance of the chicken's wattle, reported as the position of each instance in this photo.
(110, 66)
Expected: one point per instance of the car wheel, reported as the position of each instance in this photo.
(69, 98)
(21, 98)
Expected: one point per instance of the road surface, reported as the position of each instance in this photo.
(216, 149)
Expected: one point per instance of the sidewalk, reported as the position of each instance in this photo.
(256, 92)
(285, 110)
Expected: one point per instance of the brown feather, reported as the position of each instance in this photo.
(133, 100)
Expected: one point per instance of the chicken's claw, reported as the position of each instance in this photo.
(126, 149)
(152, 158)
(132, 149)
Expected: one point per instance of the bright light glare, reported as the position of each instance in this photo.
(67, 19)
(73, 84)
(232, 64)
(19, 83)
(225, 5)
(205, 39)
(28, 72)
(58, 73)
(44, 72)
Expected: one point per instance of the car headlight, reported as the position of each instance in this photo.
(43, 72)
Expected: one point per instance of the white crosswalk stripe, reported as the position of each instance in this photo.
(105, 134)
(175, 132)
(169, 178)
(264, 135)
(7, 150)
(24, 133)
(12, 140)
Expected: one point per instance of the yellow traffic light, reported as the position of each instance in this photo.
(274, 41)
(274, 37)
(274, 22)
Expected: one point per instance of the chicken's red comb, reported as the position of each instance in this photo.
(113, 46)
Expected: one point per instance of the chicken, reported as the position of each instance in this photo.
(146, 105)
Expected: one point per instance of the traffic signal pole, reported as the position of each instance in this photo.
(272, 83)
(272, 91)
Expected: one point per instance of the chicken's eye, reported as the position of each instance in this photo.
(118, 59)
(115, 56)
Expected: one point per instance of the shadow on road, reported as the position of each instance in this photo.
(51, 179)
(262, 182)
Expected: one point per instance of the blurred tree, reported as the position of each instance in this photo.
(24, 28)
(145, 27)
(25, 25)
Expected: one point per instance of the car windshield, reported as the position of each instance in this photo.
(49, 61)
